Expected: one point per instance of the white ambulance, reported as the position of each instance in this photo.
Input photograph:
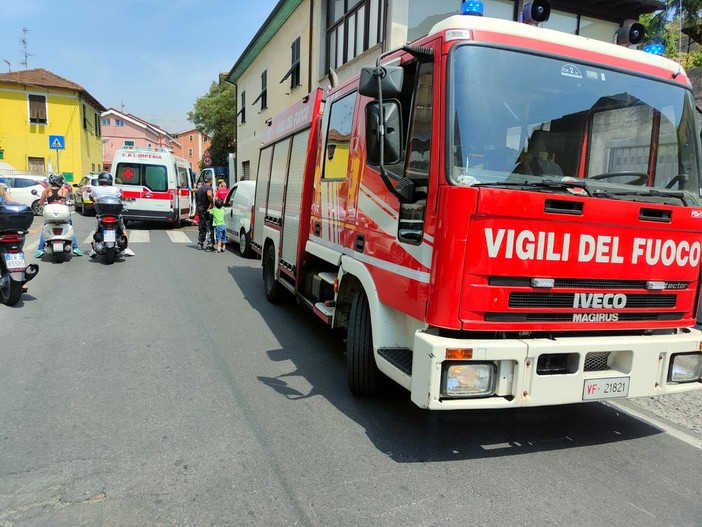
(159, 182)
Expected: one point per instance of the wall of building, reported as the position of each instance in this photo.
(21, 140)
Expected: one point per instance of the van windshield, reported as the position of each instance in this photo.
(153, 177)
(519, 118)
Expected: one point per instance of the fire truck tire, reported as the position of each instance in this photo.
(361, 370)
(270, 284)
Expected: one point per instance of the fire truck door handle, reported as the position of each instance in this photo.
(317, 228)
(359, 243)
(147, 195)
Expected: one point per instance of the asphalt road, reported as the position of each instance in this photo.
(165, 390)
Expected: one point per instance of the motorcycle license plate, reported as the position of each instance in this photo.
(15, 261)
(58, 247)
(108, 236)
(608, 388)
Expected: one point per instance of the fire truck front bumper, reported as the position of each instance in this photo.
(454, 374)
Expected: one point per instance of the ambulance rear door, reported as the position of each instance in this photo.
(145, 180)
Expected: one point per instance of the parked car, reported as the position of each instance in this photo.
(26, 189)
(238, 212)
(83, 199)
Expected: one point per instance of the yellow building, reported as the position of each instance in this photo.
(49, 124)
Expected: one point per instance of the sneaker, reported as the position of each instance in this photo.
(199, 246)
(39, 253)
(92, 253)
(77, 251)
(128, 252)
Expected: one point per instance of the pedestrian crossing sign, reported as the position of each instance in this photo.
(57, 142)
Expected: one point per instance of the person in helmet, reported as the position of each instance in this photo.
(106, 190)
(56, 192)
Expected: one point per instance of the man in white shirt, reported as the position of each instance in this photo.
(106, 190)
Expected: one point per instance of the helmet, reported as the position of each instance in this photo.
(56, 180)
(104, 178)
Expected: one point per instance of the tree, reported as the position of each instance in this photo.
(214, 114)
(680, 17)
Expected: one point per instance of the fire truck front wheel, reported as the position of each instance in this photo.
(270, 284)
(361, 370)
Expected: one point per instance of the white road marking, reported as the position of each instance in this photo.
(178, 237)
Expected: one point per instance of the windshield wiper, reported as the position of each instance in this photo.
(541, 184)
(602, 193)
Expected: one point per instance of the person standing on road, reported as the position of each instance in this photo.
(56, 192)
(204, 199)
(222, 190)
(219, 227)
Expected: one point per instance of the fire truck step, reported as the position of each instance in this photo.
(328, 277)
(327, 310)
(401, 358)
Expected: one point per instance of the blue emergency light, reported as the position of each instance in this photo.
(472, 8)
(654, 49)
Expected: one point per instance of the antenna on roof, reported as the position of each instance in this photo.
(24, 43)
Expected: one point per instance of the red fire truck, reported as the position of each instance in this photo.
(500, 215)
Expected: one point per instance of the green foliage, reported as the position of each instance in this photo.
(214, 114)
(679, 28)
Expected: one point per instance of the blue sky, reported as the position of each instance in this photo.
(154, 56)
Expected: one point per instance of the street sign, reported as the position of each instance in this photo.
(57, 142)
(207, 161)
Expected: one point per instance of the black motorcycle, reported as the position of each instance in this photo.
(15, 219)
(109, 236)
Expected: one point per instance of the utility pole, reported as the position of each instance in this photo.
(9, 67)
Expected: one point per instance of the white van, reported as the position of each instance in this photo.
(159, 182)
(238, 210)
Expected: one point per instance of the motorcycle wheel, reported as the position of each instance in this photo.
(110, 255)
(10, 295)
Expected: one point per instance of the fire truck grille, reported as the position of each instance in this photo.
(580, 283)
(570, 317)
(567, 300)
(597, 361)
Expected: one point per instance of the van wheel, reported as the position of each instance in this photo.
(270, 285)
(244, 244)
(361, 370)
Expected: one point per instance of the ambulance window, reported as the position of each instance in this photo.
(155, 178)
(338, 137)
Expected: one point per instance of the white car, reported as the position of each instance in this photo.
(238, 211)
(26, 189)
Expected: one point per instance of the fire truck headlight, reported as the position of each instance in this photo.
(685, 367)
(468, 379)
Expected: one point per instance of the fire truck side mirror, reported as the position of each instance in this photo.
(391, 78)
(630, 35)
(392, 138)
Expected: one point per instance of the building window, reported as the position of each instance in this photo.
(119, 122)
(106, 121)
(98, 130)
(353, 26)
(129, 143)
(37, 109)
(294, 71)
(190, 152)
(245, 168)
(242, 111)
(191, 138)
(263, 96)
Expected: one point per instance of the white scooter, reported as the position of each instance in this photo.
(58, 232)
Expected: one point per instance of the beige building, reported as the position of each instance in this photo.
(301, 40)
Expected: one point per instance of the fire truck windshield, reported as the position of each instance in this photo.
(515, 116)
